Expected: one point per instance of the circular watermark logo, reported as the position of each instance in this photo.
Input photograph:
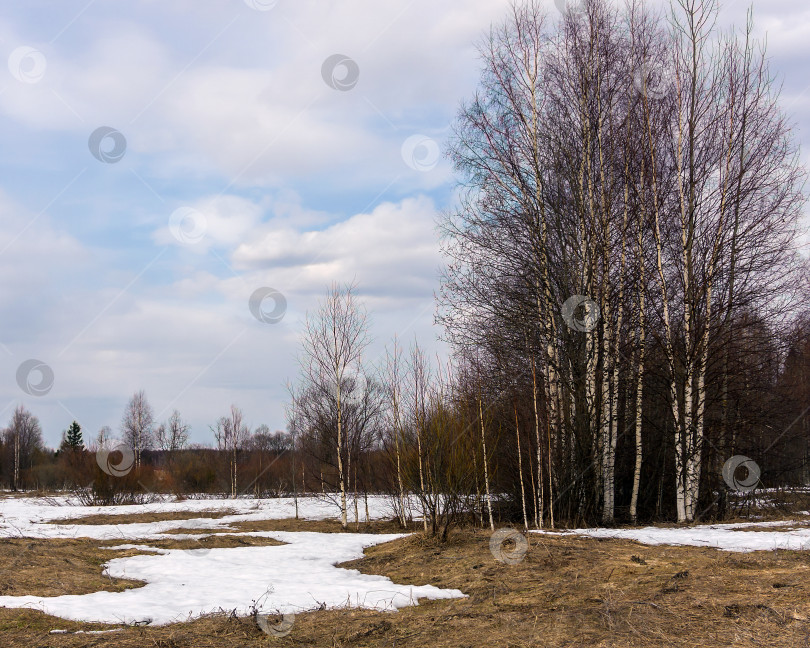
(106, 460)
(187, 225)
(749, 483)
(35, 377)
(580, 313)
(27, 64)
(570, 6)
(107, 144)
(340, 72)
(278, 630)
(202, 550)
(654, 83)
(268, 305)
(421, 152)
(353, 390)
(748, 160)
(261, 5)
(508, 546)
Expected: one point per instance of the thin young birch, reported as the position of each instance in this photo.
(520, 470)
(335, 336)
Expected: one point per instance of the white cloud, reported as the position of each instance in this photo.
(215, 221)
(393, 249)
(191, 341)
(245, 99)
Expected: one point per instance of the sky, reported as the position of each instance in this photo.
(168, 165)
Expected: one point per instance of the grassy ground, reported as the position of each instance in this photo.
(75, 566)
(565, 592)
(126, 518)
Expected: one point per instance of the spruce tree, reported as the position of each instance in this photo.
(73, 437)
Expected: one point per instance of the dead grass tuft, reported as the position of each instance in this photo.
(142, 518)
(322, 526)
(56, 567)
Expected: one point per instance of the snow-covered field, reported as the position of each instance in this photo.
(299, 575)
(30, 517)
(181, 584)
(742, 537)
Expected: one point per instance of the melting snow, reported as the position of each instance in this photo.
(29, 517)
(727, 537)
(181, 584)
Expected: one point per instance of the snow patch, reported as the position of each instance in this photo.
(726, 537)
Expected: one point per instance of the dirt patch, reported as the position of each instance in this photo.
(322, 526)
(143, 518)
(215, 541)
(76, 566)
(56, 567)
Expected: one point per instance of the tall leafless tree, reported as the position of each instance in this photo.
(335, 337)
(24, 435)
(231, 433)
(136, 426)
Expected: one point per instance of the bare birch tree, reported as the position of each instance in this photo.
(137, 425)
(335, 337)
(24, 434)
(231, 433)
(392, 378)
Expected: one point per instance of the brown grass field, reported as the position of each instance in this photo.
(566, 592)
(142, 517)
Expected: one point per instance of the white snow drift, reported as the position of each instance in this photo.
(727, 537)
(29, 517)
(290, 578)
(182, 584)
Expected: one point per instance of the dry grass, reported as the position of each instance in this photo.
(56, 567)
(322, 526)
(287, 524)
(566, 592)
(75, 566)
(134, 518)
(214, 541)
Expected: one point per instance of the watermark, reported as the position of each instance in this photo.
(278, 630)
(508, 546)
(187, 225)
(570, 6)
(741, 485)
(353, 390)
(580, 313)
(340, 72)
(104, 458)
(260, 305)
(35, 377)
(748, 160)
(654, 83)
(27, 64)
(421, 152)
(202, 551)
(107, 144)
(261, 5)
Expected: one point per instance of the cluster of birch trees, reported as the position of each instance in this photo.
(398, 423)
(626, 242)
(622, 292)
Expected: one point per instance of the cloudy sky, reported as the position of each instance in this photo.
(164, 160)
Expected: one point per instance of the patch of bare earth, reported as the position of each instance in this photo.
(322, 526)
(567, 591)
(214, 541)
(142, 518)
(55, 567)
